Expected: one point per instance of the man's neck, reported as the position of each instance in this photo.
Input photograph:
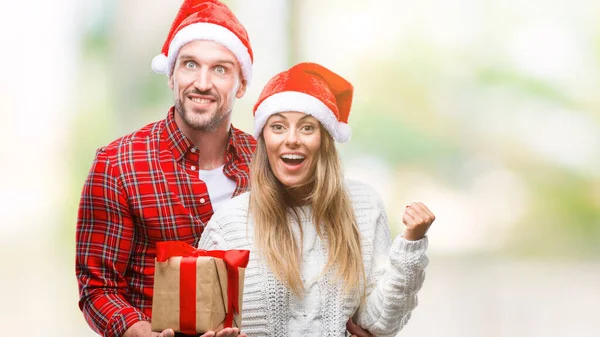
(211, 144)
(211, 147)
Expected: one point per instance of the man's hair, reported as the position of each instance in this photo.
(273, 211)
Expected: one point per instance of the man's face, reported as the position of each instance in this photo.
(206, 80)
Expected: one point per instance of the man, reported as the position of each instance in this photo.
(163, 181)
(150, 185)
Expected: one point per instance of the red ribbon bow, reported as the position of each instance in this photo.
(187, 280)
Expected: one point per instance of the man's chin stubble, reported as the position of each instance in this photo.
(204, 126)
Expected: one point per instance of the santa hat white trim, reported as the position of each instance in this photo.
(301, 102)
(204, 31)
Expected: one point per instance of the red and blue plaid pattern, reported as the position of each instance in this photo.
(141, 189)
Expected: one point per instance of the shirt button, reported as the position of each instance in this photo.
(193, 150)
(193, 168)
(202, 200)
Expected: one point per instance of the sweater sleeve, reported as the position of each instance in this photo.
(396, 276)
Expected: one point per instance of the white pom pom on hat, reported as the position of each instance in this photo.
(159, 64)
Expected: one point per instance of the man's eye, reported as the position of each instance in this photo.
(190, 65)
(220, 69)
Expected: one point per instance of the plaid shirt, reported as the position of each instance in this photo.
(142, 188)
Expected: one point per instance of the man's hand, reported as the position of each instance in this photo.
(144, 329)
(417, 218)
(166, 333)
(356, 331)
(227, 332)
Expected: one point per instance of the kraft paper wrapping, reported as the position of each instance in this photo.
(211, 300)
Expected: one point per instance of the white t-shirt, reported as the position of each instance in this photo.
(220, 188)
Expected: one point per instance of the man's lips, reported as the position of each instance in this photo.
(201, 100)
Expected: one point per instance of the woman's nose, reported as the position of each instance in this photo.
(292, 138)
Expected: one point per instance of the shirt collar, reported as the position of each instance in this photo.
(234, 142)
(176, 140)
(179, 144)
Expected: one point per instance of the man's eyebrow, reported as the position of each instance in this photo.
(228, 61)
(185, 56)
(218, 61)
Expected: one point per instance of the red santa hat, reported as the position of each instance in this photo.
(205, 20)
(312, 89)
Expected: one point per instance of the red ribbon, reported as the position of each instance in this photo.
(234, 259)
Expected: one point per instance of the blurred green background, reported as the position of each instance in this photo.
(488, 111)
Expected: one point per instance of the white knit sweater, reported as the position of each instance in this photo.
(395, 272)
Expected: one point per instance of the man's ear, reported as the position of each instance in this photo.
(241, 90)
(171, 82)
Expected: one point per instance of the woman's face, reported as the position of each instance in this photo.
(292, 140)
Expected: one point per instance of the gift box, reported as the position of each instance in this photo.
(197, 290)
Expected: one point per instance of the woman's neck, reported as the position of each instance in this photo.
(299, 196)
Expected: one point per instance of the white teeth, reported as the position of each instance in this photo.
(201, 100)
(292, 156)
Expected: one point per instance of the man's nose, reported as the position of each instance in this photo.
(203, 81)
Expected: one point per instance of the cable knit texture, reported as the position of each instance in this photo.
(395, 273)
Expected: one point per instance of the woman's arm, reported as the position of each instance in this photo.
(396, 275)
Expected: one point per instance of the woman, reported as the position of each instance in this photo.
(320, 246)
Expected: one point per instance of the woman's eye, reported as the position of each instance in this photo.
(308, 128)
(277, 127)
